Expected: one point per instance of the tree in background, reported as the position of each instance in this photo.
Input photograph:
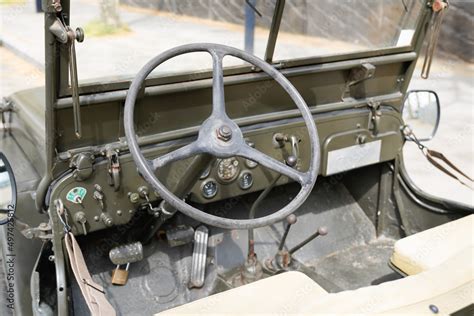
(109, 22)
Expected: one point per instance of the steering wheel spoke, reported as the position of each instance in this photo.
(178, 154)
(273, 164)
(218, 99)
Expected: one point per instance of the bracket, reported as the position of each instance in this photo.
(6, 106)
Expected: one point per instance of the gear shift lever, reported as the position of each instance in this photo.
(322, 231)
(291, 219)
(282, 258)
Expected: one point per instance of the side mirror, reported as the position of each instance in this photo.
(421, 112)
(7, 191)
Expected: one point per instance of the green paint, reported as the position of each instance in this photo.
(76, 195)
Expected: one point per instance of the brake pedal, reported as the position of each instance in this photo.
(198, 267)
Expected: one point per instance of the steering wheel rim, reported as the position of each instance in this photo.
(214, 139)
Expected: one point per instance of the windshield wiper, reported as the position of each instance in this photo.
(250, 4)
(274, 29)
(405, 5)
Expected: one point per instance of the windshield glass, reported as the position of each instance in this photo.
(121, 38)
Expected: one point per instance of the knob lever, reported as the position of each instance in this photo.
(322, 231)
(291, 219)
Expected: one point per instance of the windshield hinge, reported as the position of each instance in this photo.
(66, 35)
(439, 8)
(6, 106)
(114, 168)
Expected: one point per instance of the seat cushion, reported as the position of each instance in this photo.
(271, 295)
(428, 249)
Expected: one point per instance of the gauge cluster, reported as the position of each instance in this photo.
(222, 175)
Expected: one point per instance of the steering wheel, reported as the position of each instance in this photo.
(221, 137)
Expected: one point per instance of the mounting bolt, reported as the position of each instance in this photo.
(224, 133)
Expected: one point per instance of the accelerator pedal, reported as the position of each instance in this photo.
(198, 268)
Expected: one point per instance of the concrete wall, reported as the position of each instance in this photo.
(372, 23)
(457, 35)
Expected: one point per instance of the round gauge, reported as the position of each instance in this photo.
(209, 188)
(205, 173)
(228, 169)
(250, 163)
(245, 180)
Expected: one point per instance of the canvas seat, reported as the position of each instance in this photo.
(428, 249)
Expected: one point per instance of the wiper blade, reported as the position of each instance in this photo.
(250, 4)
(405, 5)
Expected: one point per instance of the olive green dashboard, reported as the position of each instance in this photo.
(94, 203)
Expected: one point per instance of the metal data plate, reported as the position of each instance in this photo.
(353, 157)
(198, 268)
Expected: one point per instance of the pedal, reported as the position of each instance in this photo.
(198, 267)
(124, 255)
(180, 235)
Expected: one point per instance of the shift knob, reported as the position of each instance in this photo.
(323, 231)
(291, 219)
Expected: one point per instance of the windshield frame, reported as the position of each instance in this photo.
(102, 85)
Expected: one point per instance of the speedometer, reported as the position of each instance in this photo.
(228, 169)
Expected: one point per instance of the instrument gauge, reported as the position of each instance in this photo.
(228, 169)
(246, 180)
(209, 188)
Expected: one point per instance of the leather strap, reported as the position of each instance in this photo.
(93, 293)
(431, 155)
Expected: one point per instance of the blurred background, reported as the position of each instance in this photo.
(122, 35)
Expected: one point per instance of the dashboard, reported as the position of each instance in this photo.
(96, 202)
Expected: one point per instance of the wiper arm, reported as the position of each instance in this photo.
(250, 4)
(274, 29)
(405, 5)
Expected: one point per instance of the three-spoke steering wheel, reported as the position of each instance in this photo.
(221, 137)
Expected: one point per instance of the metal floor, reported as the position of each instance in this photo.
(347, 258)
(358, 266)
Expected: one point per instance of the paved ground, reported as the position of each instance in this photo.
(113, 55)
(151, 32)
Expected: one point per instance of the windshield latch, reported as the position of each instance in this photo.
(374, 116)
(66, 35)
(358, 75)
(114, 168)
